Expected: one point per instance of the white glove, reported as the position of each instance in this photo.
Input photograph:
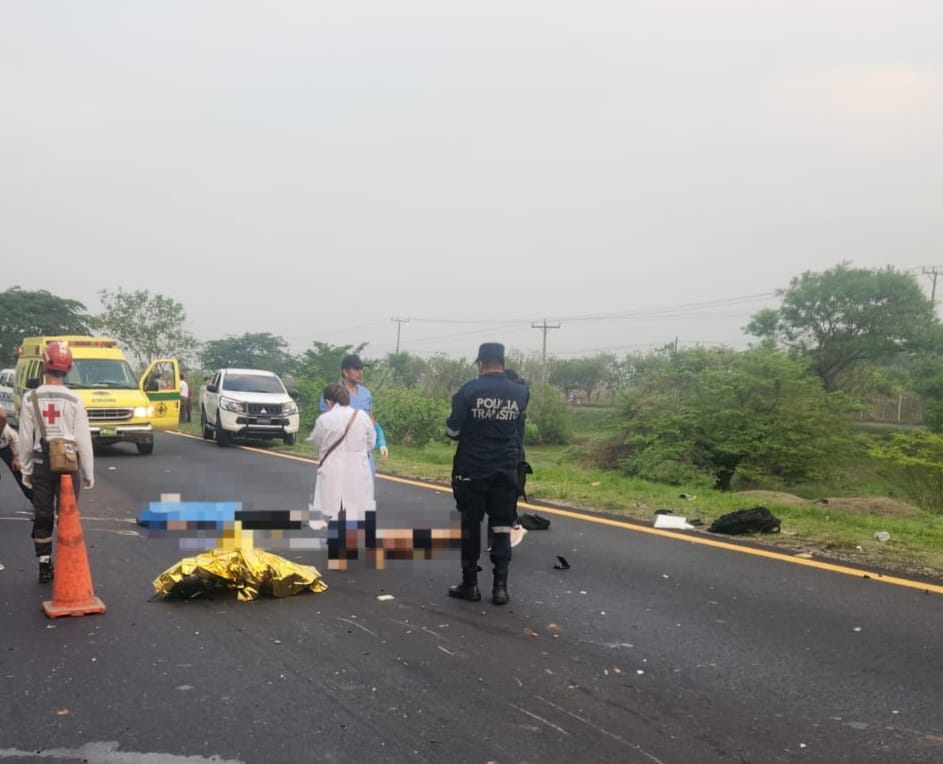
(26, 481)
(384, 452)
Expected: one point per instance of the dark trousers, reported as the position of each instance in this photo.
(475, 498)
(6, 453)
(46, 503)
(185, 410)
(344, 536)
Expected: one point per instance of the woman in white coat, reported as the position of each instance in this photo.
(344, 492)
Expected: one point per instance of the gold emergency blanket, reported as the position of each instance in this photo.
(249, 571)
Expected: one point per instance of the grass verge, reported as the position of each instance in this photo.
(837, 526)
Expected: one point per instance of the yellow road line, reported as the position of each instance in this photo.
(637, 528)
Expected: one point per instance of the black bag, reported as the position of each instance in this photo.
(534, 522)
(754, 520)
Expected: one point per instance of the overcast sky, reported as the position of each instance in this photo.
(635, 171)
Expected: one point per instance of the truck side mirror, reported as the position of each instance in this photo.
(212, 389)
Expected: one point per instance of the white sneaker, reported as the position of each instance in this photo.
(517, 534)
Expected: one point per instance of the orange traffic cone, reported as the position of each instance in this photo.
(72, 587)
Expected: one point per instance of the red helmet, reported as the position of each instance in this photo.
(57, 357)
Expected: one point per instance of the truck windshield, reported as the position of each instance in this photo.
(101, 373)
(253, 383)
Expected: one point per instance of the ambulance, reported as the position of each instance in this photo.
(122, 408)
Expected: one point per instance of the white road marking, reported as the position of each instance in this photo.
(108, 753)
(540, 719)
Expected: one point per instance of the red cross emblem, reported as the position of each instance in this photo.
(52, 414)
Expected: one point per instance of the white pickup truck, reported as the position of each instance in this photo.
(6, 393)
(248, 403)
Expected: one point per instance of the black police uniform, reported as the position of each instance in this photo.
(487, 420)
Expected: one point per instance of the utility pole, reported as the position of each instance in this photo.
(932, 271)
(399, 326)
(543, 356)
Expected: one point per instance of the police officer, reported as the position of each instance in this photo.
(64, 416)
(487, 420)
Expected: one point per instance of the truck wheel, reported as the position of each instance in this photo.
(145, 448)
(289, 439)
(207, 430)
(222, 437)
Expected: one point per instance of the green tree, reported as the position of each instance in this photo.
(586, 375)
(312, 370)
(36, 314)
(405, 369)
(845, 315)
(549, 419)
(322, 362)
(148, 326)
(445, 375)
(410, 418)
(721, 414)
(251, 350)
(915, 460)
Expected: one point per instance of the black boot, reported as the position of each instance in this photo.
(45, 572)
(499, 594)
(468, 589)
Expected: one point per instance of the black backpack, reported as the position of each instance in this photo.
(534, 522)
(756, 519)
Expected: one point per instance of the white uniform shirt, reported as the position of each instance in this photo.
(64, 416)
(184, 389)
(345, 479)
(9, 437)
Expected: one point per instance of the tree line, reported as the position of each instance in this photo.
(779, 410)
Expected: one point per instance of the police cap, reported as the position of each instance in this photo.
(490, 351)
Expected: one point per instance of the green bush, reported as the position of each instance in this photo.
(410, 418)
(720, 413)
(915, 460)
(549, 419)
(308, 394)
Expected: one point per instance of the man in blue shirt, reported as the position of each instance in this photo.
(360, 398)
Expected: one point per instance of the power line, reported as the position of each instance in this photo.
(694, 309)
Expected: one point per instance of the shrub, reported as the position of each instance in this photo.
(308, 394)
(410, 418)
(549, 419)
(916, 462)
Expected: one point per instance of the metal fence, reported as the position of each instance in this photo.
(900, 409)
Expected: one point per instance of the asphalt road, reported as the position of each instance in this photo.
(650, 648)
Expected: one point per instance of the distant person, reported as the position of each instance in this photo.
(344, 492)
(360, 398)
(10, 453)
(206, 381)
(487, 420)
(185, 411)
(64, 416)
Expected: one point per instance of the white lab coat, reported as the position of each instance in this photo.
(345, 480)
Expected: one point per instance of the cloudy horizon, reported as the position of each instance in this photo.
(638, 173)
